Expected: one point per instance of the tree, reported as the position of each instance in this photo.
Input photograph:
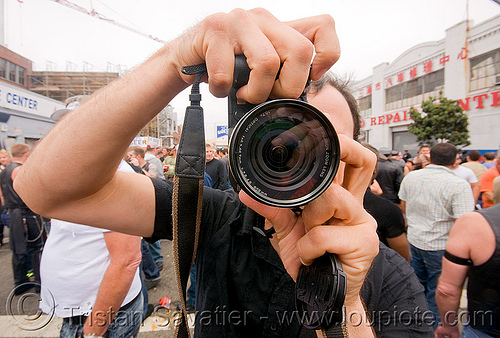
(443, 121)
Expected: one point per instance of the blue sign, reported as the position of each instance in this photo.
(221, 131)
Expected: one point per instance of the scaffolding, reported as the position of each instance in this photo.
(61, 85)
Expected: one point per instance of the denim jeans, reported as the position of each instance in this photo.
(155, 249)
(427, 266)
(148, 264)
(144, 291)
(125, 324)
(469, 332)
(192, 288)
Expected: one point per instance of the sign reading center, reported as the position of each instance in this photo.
(22, 100)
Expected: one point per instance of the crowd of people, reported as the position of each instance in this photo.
(438, 190)
(423, 213)
(384, 209)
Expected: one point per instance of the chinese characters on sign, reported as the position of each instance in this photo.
(420, 69)
(463, 53)
(444, 59)
(413, 72)
(428, 66)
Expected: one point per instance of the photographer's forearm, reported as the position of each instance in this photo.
(357, 321)
(102, 128)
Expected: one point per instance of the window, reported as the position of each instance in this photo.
(413, 88)
(393, 94)
(20, 75)
(484, 70)
(12, 71)
(365, 105)
(434, 81)
(3, 68)
(365, 136)
(411, 93)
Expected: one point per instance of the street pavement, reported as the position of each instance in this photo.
(19, 315)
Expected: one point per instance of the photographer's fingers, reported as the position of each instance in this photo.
(273, 214)
(336, 205)
(359, 165)
(295, 52)
(356, 246)
(220, 65)
(320, 30)
(266, 42)
(219, 37)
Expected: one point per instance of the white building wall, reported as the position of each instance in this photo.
(456, 69)
(453, 54)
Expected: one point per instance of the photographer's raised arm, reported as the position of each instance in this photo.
(72, 175)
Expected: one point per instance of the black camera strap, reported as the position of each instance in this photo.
(188, 192)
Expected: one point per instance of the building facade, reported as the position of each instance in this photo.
(465, 66)
(24, 115)
(28, 98)
(60, 85)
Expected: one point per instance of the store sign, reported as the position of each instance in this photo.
(390, 118)
(144, 141)
(221, 131)
(480, 101)
(222, 135)
(26, 101)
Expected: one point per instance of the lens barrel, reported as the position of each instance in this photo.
(284, 153)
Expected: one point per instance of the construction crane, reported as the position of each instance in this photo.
(99, 16)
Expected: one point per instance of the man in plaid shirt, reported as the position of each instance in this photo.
(433, 198)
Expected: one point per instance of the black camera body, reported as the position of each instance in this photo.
(282, 152)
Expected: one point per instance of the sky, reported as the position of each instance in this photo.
(371, 32)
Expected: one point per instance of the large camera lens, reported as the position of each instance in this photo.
(284, 153)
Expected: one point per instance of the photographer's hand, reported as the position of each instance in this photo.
(267, 43)
(350, 232)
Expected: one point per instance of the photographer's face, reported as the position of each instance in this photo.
(331, 102)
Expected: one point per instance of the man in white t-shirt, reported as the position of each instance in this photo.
(468, 175)
(90, 276)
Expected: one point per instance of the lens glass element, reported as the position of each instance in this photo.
(284, 153)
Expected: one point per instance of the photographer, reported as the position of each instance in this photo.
(120, 201)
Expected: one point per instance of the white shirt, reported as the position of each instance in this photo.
(158, 166)
(465, 173)
(74, 260)
(435, 198)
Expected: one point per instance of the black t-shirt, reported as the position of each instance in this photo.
(390, 220)
(137, 169)
(218, 174)
(483, 288)
(243, 289)
(389, 176)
